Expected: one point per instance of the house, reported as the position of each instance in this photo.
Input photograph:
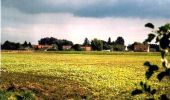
(66, 47)
(42, 46)
(141, 47)
(86, 48)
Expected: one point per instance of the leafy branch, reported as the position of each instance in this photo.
(162, 36)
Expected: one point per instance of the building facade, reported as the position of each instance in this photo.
(86, 48)
(141, 48)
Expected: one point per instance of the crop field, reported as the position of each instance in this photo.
(78, 75)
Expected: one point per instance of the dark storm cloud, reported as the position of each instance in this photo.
(95, 8)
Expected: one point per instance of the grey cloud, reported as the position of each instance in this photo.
(97, 8)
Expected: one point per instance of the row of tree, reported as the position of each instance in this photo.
(117, 45)
(15, 46)
(96, 44)
(58, 43)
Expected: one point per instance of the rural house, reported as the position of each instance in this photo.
(141, 47)
(66, 47)
(42, 46)
(86, 48)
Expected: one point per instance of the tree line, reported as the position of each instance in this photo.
(96, 44)
(8, 45)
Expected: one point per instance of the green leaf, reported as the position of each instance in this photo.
(148, 74)
(157, 39)
(147, 63)
(149, 25)
(161, 75)
(151, 69)
(163, 54)
(164, 42)
(150, 37)
(141, 83)
(136, 92)
(164, 64)
(164, 28)
(154, 68)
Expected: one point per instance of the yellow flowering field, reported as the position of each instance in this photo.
(78, 75)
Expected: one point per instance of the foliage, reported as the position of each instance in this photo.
(10, 45)
(2, 95)
(118, 47)
(15, 46)
(77, 47)
(97, 44)
(109, 41)
(86, 42)
(106, 45)
(58, 44)
(52, 40)
(162, 36)
(120, 41)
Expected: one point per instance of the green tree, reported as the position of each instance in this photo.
(25, 44)
(77, 47)
(118, 47)
(29, 44)
(120, 41)
(109, 41)
(10, 45)
(97, 45)
(86, 42)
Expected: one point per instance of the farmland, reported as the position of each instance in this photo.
(79, 75)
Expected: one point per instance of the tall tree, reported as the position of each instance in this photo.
(29, 44)
(109, 41)
(120, 41)
(47, 41)
(25, 44)
(10, 45)
(52, 40)
(97, 44)
(86, 42)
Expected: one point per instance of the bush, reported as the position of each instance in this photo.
(118, 47)
(77, 47)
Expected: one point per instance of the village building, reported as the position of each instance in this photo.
(42, 46)
(86, 48)
(141, 48)
(66, 47)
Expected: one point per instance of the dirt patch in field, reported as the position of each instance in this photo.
(47, 87)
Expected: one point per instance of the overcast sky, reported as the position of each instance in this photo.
(74, 20)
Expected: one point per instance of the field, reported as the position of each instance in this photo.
(79, 75)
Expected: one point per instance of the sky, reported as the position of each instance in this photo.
(75, 20)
